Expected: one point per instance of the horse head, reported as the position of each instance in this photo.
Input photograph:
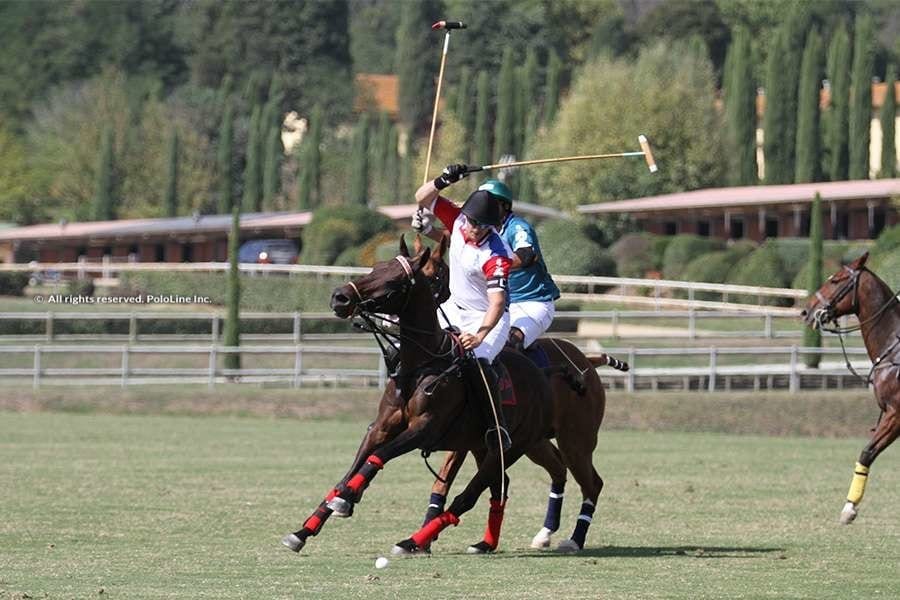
(838, 296)
(439, 279)
(387, 287)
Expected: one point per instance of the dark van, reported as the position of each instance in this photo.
(276, 252)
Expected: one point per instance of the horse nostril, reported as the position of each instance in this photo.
(803, 313)
(339, 299)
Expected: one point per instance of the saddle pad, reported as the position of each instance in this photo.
(538, 356)
(507, 393)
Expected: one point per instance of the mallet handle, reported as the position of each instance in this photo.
(542, 161)
(437, 101)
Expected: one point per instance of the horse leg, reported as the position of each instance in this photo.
(886, 432)
(486, 475)
(340, 500)
(452, 463)
(546, 455)
(577, 453)
(491, 538)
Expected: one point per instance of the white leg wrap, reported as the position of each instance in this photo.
(542, 539)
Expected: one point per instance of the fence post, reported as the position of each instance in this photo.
(212, 365)
(48, 330)
(36, 383)
(214, 329)
(297, 330)
(124, 366)
(692, 323)
(298, 366)
(382, 373)
(132, 328)
(631, 361)
(691, 295)
(615, 324)
(713, 351)
(794, 377)
(769, 333)
(105, 266)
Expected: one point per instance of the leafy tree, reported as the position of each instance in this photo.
(232, 333)
(861, 98)
(601, 115)
(482, 134)
(224, 154)
(104, 203)
(171, 200)
(252, 182)
(359, 162)
(888, 117)
(551, 95)
(373, 29)
(682, 19)
(336, 228)
(568, 250)
(16, 202)
(839, 113)
(812, 338)
(740, 112)
(525, 98)
(416, 63)
(807, 151)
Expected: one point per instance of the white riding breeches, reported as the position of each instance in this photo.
(468, 321)
(531, 318)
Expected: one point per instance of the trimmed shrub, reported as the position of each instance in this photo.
(887, 266)
(634, 254)
(568, 250)
(762, 267)
(888, 240)
(793, 252)
(682, 250)
(801, 279)
(333, 229)
(13, 284)
(712, 267)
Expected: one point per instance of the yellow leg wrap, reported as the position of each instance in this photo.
(858, 485)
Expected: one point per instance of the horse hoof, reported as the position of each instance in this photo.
(405, 548)
(848, 514)
(568, 547)
(542, 539)
(481, 547)
(293, 542)
(340, 507)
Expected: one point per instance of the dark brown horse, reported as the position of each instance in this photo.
(579, 401)
(858, 291)
(428, 405)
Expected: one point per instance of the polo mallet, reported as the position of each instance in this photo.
(447, 26)
(642, 140)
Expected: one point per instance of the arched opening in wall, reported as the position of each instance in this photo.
(736, 231)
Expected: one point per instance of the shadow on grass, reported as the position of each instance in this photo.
(652, 552)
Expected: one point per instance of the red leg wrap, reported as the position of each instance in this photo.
(375, 461)
(356, 482)
(330, 495)
(314, 523)
(495, 520)
(365, 474)
(425, 535)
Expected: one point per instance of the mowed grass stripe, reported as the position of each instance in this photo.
(145, 506)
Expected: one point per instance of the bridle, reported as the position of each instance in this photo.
(361, 306)
(826, 314)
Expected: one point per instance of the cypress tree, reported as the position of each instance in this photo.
(224, 155)
(416, 53)
(807, 150)
(551, 95)
(464, 105)
(359, 162)
(525, 99)
(381, 143)
(482, 134)
(314, 162)
(252, 191)
(391, 172)
(887, 117)
(812, 338)
(504, 129)
(780, 117)
(171, 199)
(103, 208)
(740, 109)
(304, 179)
(839, 112)
(861, 98)
(232, 333)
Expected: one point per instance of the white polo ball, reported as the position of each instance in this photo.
(381, 562)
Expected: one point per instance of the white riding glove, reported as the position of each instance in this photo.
(423, 221)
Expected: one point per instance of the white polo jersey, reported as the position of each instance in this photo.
(475, 268)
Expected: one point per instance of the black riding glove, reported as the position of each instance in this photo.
(451, 174)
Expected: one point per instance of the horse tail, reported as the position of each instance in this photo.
(605, 360)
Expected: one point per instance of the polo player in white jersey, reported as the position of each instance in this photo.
(479, 274)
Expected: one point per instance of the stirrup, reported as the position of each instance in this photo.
(490, 438)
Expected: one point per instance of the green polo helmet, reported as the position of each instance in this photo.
(498, 189)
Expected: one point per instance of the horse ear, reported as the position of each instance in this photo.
(423, 259)
(438, 253)
(404, 251)
(417, 244)
(861, 261)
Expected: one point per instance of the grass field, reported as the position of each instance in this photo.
(166, 500)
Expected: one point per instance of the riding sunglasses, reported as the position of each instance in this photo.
(476, 224)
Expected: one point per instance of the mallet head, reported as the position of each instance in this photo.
(449, 25)
(648, 155)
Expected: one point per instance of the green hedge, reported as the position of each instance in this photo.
(635, 254)
(335, 229)
(762, 267)
(682, 249)
(13, 284)
(568, 250)
(887, 266)
(888, 240)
